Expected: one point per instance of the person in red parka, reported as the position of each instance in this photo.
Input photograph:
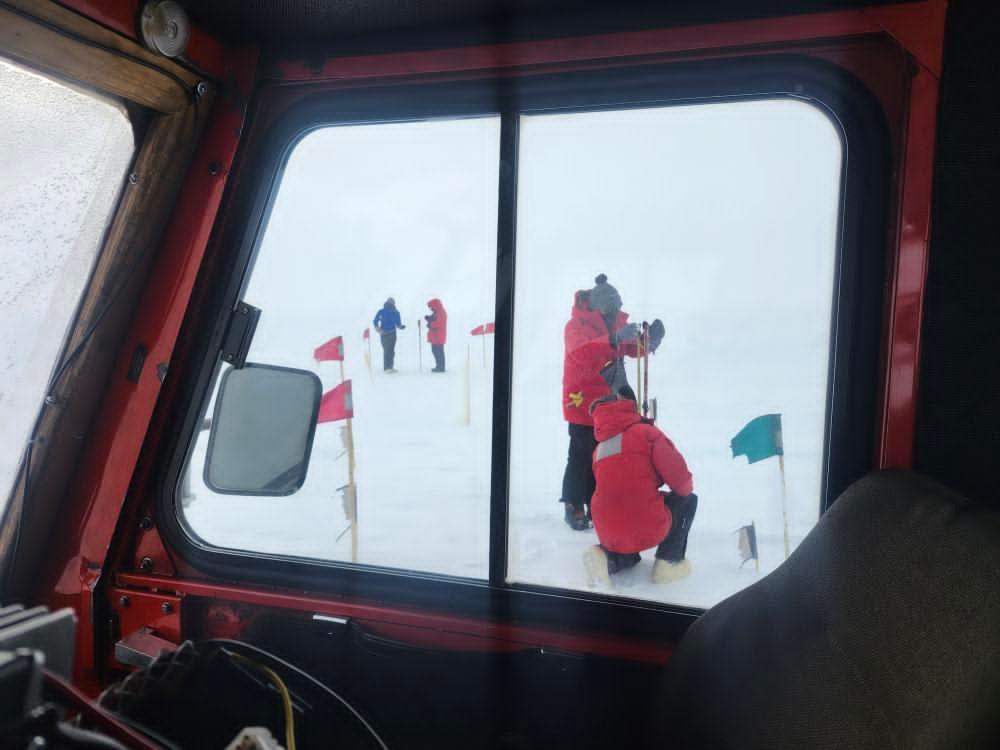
(632, 461)
(597, 335)
(437, 332)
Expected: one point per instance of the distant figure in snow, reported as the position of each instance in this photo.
(437, 332)
(632, 461)
(597, 336)
(386, 322)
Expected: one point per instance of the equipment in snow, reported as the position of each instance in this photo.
(747, 544)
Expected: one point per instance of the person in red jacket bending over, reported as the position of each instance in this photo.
(632, 461)
(437, 332)
(598, 332)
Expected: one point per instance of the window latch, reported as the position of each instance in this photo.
(239, 334)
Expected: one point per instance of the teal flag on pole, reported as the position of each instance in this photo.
(760, 439)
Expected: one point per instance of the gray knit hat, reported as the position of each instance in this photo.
(604, 297)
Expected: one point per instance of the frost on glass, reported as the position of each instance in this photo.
(63, 154)
(364, 213)
(720, 219)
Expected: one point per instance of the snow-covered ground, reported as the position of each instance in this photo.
(63, 158)
(718, 219)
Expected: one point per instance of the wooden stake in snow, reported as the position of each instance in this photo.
(467, 395)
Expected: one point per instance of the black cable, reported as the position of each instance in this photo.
(260, 653)
(188, 90)
(147, 732)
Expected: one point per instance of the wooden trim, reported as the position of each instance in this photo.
(58, 41)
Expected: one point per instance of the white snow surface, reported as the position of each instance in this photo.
(720, 219)
(63, 156)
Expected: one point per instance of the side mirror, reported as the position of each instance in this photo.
(262, 431)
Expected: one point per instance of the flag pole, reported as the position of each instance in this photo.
(638, 371)
(645, 369)
(368, 359)
(352, 488)
(784, 500)
(353, 498)
(420, 346)
(467, 415)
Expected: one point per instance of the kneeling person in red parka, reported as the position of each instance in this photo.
(632, 461)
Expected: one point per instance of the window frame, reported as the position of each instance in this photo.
(851, 405)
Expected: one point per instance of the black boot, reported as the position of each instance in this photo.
(576, 518)
(619, 561)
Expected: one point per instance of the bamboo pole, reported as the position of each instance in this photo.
(353, 489)
(638, 371)
(467, 395)
(784, 501)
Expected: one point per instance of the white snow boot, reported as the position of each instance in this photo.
(595, 560)
(665, 571)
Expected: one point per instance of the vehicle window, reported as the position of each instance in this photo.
(63, 155)
(720, 222)
(377, 263)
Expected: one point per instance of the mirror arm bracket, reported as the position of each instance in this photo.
(239, 334)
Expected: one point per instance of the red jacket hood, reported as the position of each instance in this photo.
(613, 418)
(435, 305)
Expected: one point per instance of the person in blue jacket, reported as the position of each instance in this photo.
(386, 322)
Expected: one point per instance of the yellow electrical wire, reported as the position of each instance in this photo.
(286, 697)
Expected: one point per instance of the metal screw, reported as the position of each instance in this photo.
(146, 523)
(124, 601)
(146, 564)
(214, 168)
(133, 178)
(167, 608)
(201, 89)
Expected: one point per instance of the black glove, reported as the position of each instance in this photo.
(656, 334)
(615, 376)
(402, 327)
(428, 318)
(629, 333)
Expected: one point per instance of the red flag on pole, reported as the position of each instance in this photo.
(336, 404)
(332, 350)
(366, 334)
(484, 329)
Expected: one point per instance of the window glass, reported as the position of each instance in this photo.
(387, 227)
(63, 156)
(721, 221)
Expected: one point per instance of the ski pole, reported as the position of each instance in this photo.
(638, 370)
(420, 346)
(645, 369)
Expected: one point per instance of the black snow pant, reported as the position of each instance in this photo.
(578, 479)
(438, 351)
(682, 510)
(388, 350)
(674, 547)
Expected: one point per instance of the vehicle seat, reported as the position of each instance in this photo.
(882, 630)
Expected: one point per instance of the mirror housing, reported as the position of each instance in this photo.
(262, 430)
